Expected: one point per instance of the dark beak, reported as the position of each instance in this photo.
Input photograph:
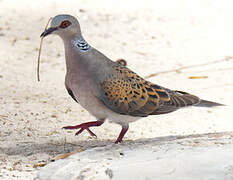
(48, 31)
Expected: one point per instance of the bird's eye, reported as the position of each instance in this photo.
(65, 24)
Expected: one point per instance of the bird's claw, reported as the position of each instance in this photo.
(89, 131)
(84, 126)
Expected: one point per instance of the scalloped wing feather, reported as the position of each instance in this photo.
(127, 93)
(178, 99)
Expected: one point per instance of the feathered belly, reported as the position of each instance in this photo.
(96, 108)
(89, 101)
(86, 95)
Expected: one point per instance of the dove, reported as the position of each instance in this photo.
(108, 89)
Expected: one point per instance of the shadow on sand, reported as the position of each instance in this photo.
(32, 148)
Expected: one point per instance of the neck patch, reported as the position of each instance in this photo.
(81, 44)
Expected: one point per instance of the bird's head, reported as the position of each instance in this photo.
(63, 25)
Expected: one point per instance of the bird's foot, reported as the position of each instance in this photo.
(84, 126)
(121, 135)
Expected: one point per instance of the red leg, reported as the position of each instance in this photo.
(122, 133)
(86, 126)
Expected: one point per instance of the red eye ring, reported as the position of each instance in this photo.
(65, 24)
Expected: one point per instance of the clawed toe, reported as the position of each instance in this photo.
(122, 133)
(86, 126)
(118, 141)
(69, 127)
(89, 131)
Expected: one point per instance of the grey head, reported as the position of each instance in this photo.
(64, 25)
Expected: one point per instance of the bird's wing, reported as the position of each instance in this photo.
(178, 99)
(71, 93)
(127, 93)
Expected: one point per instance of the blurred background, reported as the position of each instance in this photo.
(153, 36)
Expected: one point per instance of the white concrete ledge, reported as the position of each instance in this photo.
(194, 157)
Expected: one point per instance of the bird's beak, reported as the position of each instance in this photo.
(48, 31)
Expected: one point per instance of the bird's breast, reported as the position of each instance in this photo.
(86, 94)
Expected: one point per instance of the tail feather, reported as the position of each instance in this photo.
(205, 103)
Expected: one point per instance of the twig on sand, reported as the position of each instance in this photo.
(226, 58)
(3, 116)
(214, 70)
(39, 52)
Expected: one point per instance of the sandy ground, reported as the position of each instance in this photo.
(152, 36)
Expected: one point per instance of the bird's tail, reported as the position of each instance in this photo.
(205, 103)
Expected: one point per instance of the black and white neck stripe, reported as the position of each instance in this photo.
(81, 44)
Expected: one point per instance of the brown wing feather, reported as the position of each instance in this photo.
(178, 99)
(127, 93)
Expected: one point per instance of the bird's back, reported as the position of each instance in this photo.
(124, 92)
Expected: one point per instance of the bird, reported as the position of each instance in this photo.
(108, 89)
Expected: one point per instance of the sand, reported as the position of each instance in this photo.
(153, 36)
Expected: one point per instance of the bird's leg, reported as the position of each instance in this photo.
(122, 133)
(86, 126)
